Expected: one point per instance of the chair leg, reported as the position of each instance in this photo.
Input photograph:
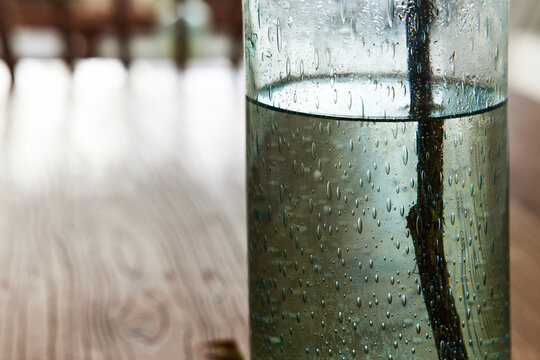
(180, 43)
(122, 29)
(180, 39)
(6, 45)
(91, 44)
(7, 53)
(63, 22)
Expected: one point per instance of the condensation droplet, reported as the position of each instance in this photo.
(405, 155)
(328, 57)
(359, 225)
(278, 35)
(390, 13)
(329, 190)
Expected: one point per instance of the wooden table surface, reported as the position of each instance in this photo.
(122, 220)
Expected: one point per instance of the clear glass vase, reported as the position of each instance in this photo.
(377, 179)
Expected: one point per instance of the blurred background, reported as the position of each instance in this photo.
(125, 29)
(122, 219)
(524, 50)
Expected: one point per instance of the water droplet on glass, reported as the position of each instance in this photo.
(278, 36)
(329, 190)
(328, 57)
(390, 13)
(359, 225)
(405, 155)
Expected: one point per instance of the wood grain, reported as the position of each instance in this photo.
(524, 128)
(119, 238)
(122, 220)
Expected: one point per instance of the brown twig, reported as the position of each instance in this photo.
(425, 219)
(222, 350)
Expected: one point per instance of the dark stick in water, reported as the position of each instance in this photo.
(425, 219)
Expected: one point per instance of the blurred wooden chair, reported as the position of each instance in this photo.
(89, 18)
(227, 18)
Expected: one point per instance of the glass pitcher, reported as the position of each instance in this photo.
(377, 179)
